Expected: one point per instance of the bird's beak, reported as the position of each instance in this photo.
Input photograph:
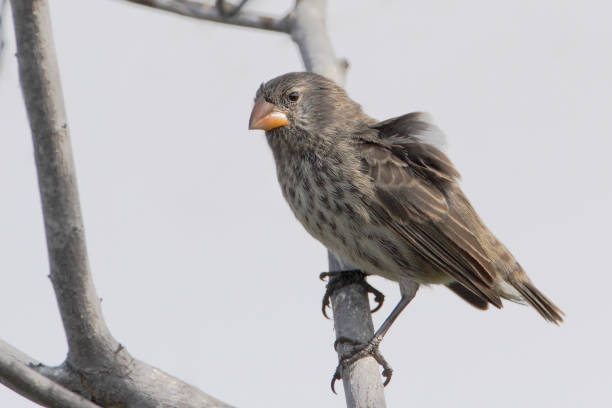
(266, 116)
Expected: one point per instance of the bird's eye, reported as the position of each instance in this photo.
(293, 96)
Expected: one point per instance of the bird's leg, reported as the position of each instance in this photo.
(371, 348)
(343, 278)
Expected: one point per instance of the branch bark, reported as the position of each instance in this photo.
(207, 12)
(362, 382)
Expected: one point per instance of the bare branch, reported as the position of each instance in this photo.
(86, 332)
(2, 14)
(362, 384)
(222, 7)
(97, 366)
(19, 376)
(16, 355)
(309, 32)
(211, 13)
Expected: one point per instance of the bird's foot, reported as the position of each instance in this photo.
(340, 279)
(361, 350)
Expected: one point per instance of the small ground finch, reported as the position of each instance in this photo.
(383, 196)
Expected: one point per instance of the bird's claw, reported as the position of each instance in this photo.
(344, 278)
(337, 376)
(368, 349)
(379, 298)
(327, 295)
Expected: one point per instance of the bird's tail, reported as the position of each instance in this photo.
(536, 299)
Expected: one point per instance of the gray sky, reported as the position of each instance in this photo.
(205, 273)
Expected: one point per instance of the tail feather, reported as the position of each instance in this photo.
(535, 298)
(467, 295)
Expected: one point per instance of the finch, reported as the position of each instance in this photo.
(384, 196)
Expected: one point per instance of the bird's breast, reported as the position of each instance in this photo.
(330, 203)
(330, 206)
(321, 195)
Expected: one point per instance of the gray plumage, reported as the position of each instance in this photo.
(385, 197)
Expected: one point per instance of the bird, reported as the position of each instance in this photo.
(384, 196)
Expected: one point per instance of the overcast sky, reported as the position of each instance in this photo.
(205, 273)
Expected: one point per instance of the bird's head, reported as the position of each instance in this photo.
(302, 102)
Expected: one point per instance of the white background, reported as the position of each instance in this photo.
(202, 268)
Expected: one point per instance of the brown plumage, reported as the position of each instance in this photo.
(383, 195)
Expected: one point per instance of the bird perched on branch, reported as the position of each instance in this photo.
(384, 196)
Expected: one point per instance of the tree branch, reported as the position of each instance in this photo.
(2, 11)
(10, 352)
(222, 7)
(211, 13)
(17, 374)
(86, 332)
(97, 366)
(309, 32)
(362, 383)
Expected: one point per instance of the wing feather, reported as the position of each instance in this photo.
(411, 178)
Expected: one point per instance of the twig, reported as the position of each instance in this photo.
(211, 13)
(362, 383)
(19, 376)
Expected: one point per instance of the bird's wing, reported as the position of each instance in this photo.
(411, 177)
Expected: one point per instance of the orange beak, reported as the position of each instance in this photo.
(266, 116)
